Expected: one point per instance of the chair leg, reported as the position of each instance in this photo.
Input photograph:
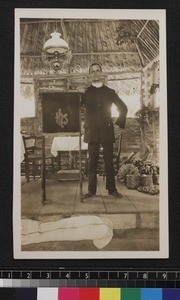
(34, 170)
(52, 159)
(27, 170)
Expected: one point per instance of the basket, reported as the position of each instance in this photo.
(146, 180)
(133, 181)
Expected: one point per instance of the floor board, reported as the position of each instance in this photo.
(135, 216)
(63, 197)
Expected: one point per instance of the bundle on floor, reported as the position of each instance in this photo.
(76, 228)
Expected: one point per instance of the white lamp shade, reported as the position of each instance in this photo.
(55, 43)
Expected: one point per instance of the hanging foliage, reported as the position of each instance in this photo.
(153, 88)
(144, 115)
(126, 33)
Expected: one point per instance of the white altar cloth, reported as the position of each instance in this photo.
(67, 143)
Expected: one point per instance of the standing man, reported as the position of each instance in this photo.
(99, 129)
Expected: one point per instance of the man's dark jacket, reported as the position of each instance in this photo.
(98, 122)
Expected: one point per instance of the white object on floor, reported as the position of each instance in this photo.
(78, 228)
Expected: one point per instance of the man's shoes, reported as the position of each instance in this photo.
(115, 193)
(88, 195)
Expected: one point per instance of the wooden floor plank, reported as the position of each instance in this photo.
(61, 195)
(64, 198)
(31, 200)
(141, 201)
(31, 186)
(89, 205)
(64, 201)
(115, 205)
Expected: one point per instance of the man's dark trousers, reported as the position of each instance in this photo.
(109, 167)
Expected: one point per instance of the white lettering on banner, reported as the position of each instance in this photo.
(61, 119)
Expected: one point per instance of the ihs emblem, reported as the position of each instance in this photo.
(61, 119)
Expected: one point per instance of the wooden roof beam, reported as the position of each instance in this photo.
(142, 29)
(123, 79)
(109, 79)
(107, 53)
(23, 55)
(65, 20)
(65, 36)
(64, 75)
(140, 54)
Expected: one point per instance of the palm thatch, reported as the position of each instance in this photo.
(122, 47)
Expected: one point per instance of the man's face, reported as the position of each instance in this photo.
(95, 73)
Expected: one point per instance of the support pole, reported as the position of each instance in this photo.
(43, 172)
(119, 150)
(80, 156)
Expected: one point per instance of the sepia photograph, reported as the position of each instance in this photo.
(90, 134)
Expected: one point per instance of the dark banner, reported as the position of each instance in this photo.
(60, 112)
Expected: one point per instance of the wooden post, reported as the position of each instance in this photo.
(119, 150)
(142, 104)
(43, 172)
(80, 156)
(141, 92)
(140, 54)
(153, 117)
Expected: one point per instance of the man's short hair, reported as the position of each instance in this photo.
(95, 64)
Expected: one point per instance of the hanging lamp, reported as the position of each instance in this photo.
(56, 44)
(57, 51)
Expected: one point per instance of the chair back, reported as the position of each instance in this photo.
(33, 145)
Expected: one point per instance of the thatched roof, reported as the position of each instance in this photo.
(123, 47)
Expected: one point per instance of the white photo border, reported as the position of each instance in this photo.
(153, 14)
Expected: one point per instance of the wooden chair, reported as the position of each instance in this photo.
(34, 147)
